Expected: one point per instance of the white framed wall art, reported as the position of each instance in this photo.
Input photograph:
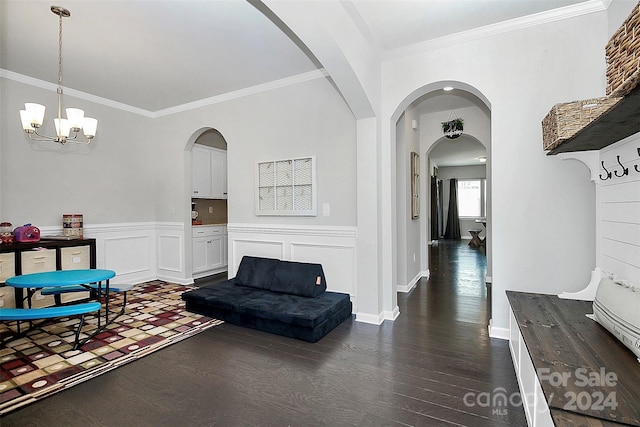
(286, 187)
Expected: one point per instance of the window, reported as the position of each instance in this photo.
(472, 197)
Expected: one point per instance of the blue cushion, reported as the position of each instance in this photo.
(299, 278)
(256, 272)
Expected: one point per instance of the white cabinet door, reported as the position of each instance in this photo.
(209, 248)
(215, 252)
(219, 174)
(201, 172)
(200, 254)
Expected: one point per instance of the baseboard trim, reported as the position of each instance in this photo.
(500, 333)
(412, 284)
(393, 314)
(178, 281)
(372, 319)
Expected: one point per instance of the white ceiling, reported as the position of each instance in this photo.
(157, 55)
(462, 151)
(395, 24)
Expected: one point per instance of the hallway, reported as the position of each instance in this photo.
(434, 366)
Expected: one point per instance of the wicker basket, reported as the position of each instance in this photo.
(623, 56)
(565, 120)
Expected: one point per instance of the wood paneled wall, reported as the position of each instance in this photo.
(618, 209)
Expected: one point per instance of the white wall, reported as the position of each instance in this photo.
(109, 181)
(307, 119)
(410, 258)
(522, 74)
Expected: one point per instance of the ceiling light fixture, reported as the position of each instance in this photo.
(482, 159)
(32, 116)
(447, 88)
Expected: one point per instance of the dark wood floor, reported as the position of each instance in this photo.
(434, 366)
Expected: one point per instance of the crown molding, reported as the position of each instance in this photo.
(42, 84)
(276, 84)
(541, 18)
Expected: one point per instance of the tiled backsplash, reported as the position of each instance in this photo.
(219, 215)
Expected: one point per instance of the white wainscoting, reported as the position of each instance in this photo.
(171, 253)
(333, 247)
(138, 252)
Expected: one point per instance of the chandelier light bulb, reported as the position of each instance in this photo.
(35, 112)
(76, 118)
(89, 126)
(63, 127)
(25, 119)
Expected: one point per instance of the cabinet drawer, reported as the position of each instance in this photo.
(7, 297)
(7, 266)
(38, 261)
(75, 258)
(38, 300)
(207, 231)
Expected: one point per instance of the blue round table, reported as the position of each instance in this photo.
(61, 278)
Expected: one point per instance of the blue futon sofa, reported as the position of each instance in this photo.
(282, 297)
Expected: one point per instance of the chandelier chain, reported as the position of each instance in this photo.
(59, 68)
(60, 50)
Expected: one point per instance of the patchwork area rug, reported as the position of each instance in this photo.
(43, 362)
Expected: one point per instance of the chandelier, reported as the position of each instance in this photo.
(67, 130)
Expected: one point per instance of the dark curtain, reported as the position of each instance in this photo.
(453, 219)
(440, 210)
(435, 223)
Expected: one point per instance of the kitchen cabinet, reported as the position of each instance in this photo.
(208, 173)
(209, 250)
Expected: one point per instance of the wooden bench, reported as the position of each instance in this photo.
(570, 369)
(29, 314)
(476, 240)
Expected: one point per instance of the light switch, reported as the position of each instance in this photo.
(326, 209)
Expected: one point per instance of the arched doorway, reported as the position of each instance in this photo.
(206, 175)
(417, 123)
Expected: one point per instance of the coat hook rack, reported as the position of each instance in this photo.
(608, 176)
(625, 170)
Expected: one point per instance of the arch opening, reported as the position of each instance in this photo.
(417, 126)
